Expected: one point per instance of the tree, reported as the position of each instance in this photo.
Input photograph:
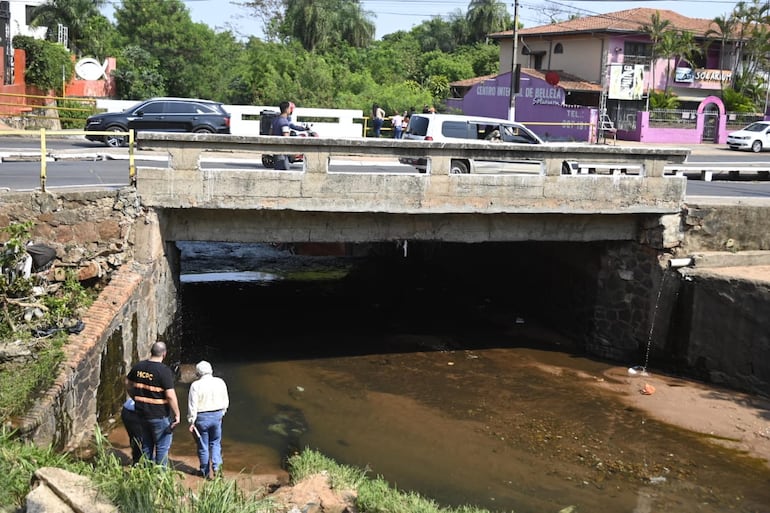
(165, 30)
(655, 30)
(138, 74)
(271, 13)
(78, 16)
(723, 34)
(49, 65)
(675, 46)
(436, 34)
(485, 17)
(322, 24)
(354, 25)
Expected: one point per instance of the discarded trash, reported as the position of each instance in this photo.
(657, 480)
(647, 389)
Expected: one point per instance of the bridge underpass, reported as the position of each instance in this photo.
(358, 295)
(632, 219)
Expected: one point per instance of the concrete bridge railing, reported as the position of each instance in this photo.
(184, 184)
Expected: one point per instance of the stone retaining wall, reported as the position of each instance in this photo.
(110, 231)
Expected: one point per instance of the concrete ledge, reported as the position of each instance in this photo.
(728, 259)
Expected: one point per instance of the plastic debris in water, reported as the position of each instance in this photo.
(637, 371)
(647, 389)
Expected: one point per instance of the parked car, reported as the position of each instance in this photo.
(451, 127)
(754, 137)
(161, 115)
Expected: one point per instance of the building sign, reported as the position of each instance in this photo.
(701, 76)
(626, 82)
(684, 75)
(544, 95)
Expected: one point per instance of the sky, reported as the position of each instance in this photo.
(393, 15)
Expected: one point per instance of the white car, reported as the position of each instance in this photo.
(754, 137)
(450, 127)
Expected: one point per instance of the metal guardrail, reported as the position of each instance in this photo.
(43, 134)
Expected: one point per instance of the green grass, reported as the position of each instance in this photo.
(149, 488)
(19, 461)
(21, 381)
(374, 495)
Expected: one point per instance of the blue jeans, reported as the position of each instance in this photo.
(156, 439)
(209, 426)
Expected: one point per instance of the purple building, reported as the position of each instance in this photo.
(556, 111)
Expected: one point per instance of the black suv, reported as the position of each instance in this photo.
(161, 115)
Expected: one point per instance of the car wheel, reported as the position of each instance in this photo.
(203, 130)
(268, 161)
(459, 167)
(756, 146)
(116, 141)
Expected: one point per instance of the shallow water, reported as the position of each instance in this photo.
(511, 428)
(462, 399)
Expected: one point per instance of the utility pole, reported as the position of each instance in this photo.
(514, 49)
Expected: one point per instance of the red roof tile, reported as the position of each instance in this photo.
(567, 81)
(628, 21)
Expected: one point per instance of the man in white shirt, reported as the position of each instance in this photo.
(207, 403)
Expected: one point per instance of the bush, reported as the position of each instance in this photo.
(49, 65)
(73, 112)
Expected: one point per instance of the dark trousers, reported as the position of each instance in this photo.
(281, 162)
(133, 425)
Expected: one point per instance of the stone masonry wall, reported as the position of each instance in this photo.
(109, 234)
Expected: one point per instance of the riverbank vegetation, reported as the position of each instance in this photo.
(36, 318)
(151, 488)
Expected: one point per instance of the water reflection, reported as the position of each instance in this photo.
(508, 428)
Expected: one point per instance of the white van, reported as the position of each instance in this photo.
(449, 127)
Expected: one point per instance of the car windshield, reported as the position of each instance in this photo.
(757, 127)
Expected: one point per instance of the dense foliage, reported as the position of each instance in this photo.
(314, 53)
(49, 65)
(322, 53)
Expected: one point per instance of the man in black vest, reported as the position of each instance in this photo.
(151, 384)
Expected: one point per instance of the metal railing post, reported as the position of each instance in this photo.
(43, 152)
(131, 163)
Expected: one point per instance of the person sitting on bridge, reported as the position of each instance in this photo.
(282, 125)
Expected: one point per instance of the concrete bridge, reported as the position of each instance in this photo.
(586, 254)
(318, 205)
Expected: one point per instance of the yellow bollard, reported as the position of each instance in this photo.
(131, 165)
(42, 159)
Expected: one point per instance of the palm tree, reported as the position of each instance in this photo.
(485, 17)
(724, 33)
(308, 22)
(676, 46)
(73, 14)
(353, 24)
(319, 24)
(655, 30)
